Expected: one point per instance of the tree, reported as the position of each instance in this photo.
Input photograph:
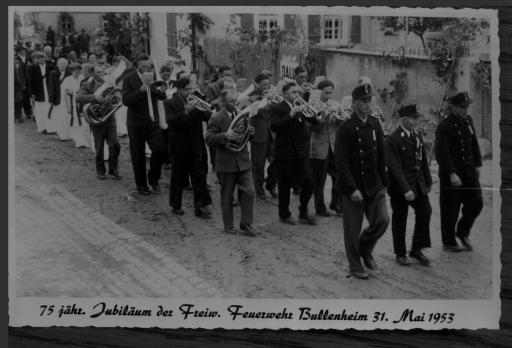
(128, 33)
(199, 23)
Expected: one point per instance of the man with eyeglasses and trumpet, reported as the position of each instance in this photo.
(321, 154)
(291, 150)
(140, 96)
(233, 164)
(185, 114)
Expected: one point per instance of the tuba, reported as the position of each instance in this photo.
(240, 126)
(306, 109)
(96, 113)
(199, 103)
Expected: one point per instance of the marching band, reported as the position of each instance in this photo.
(294, 129)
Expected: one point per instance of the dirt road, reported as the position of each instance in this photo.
(285, 262)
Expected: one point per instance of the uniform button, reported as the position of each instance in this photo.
(359, 139)
(463, 157)
(362, 161)
(361, 151)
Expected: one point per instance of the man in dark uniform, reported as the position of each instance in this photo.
(409, 184)
(458, 155)
(361, 164)
(291, 152)
(186, 141)
(143, 125)
(103, 132)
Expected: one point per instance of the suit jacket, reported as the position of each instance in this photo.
(323, 134)
(457, 149)
(360, 156)
(185, 131)
(19, 81)
(35, 81)
(407, 164)
(54, 86)
(212, 92)
(137, 114)
(292, 135)
(225, 161)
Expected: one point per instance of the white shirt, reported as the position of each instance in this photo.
(42, 67)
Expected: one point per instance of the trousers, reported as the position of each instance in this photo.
(228, 181)
(357, 243)
(319, 170)
(469, 196)
(152, 134)
(106, 132)
(287, 170)
(422, 211)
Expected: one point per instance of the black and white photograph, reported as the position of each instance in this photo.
(333, 167)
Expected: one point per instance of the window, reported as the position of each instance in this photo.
(335, 30)
(267, 24)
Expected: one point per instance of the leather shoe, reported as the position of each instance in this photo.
(248, 230)
(178, 211)
(453, 248)
(288, 220)
(369, 261)
(231, 231)
(307, 220)
(336, 208)
(403, 260)
(202, 213)
(418, 255)
(272, 193)
(324, 213)
(359, 274)
(115, 175)
(156, 189)
(143, 191)
(101, 176)
(466, 243)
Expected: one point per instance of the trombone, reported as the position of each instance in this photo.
(306, 109)
(199, 103)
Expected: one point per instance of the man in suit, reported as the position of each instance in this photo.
(38, 78)
(106, 132)
(19, 89)
(233, 168)
(25, 61)
(301, 76)
(143, 125)
(409, 184)
(458, 155)
(321, 154)
(359, 153)
(59, 116)
(215, 88)
(291, 153)
(261, 138)
(50, 60)
(186, 141)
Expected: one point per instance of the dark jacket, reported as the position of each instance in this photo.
(185, 131)
(407, 164)
(292, 135)
(85, 95)
(19, 81)
(54, 86)
(360, 156)
(35, 81)
(137, 102)
(225, 161)
(457, 149)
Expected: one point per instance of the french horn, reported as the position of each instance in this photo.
(240, 126)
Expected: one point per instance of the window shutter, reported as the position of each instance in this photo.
(355, 30)
(314, 30)
(289, 22)
(172, 34)
(247, 21)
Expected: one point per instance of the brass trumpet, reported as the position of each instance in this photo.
(307, 86)
(337, 110)
(199, 103)
(306, 109)
(272, 96)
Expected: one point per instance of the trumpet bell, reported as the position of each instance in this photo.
(199, 103)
